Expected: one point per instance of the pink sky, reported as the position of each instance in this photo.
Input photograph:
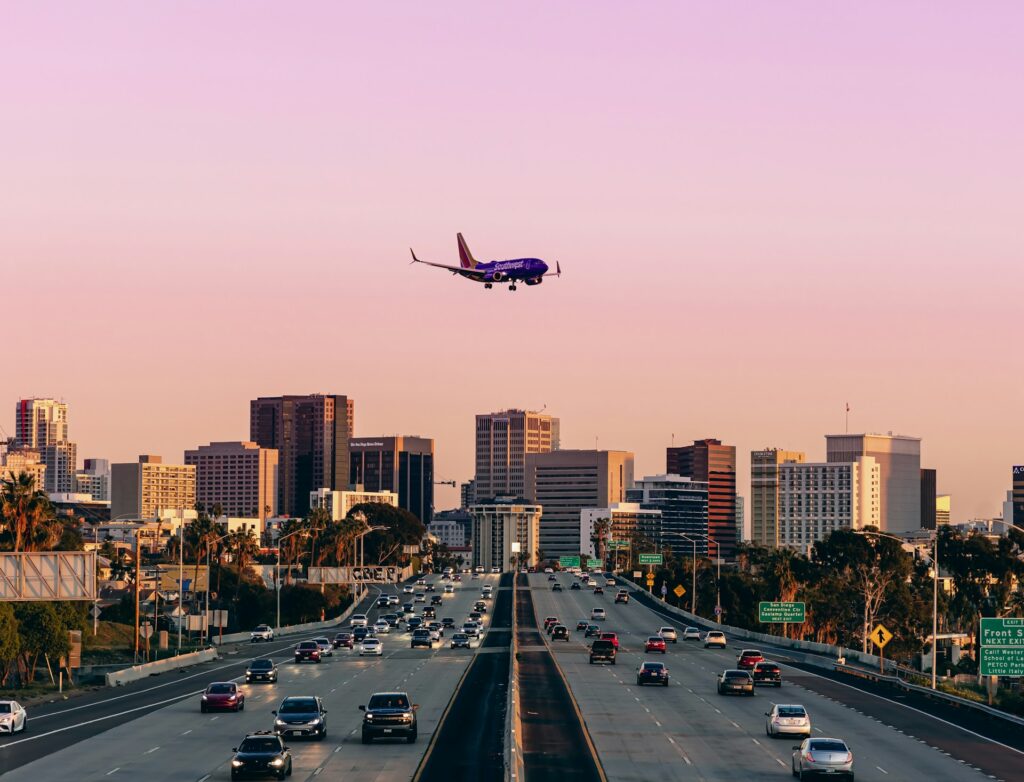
(763, 211)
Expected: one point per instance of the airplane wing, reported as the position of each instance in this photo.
(453, 269)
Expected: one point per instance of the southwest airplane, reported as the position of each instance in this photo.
(528, 270)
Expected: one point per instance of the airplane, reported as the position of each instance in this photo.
(528, 270)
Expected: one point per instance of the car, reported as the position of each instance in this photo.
(610, 636)
(748, 658)
(485, 595)
(428, 588)
(422, 582)
(449, 589)
(655, 643)
(13, 717)
(358, 620)
(582, 624)
(382, 601)
(343, 639)
(262, 669)
(222, 695)
(438, 627)
(767, 673)
(414, 623)
(598, 590)
(830, 758)
(475, 616)
(495, 570)
(457, 578)
(476, 576)
(393, 600)
(574, 586)
(552, 577)
(480, 606)
(372, 647)
(714, 638)
(602, 651)
(597, 614)
(472, 629)
(421, 637)
(429, 612)
(488, 588)
(326, 647)
(668, 633)
(652, 673)
(389, 715)
(549, 570)
(391, 619)
(460, 641)
(261, 633)
(735, 680)
(307, 650)
(361, 633)
(609, 582)
(556, 587)
(622, 596)
(407, 589)
(381, 627)
(301, 715)
(478, 569)
(419, 597)
(559, 633)
(550, 620)
(447, 622)
(436, 600)
(689, 634)
(592, 630)
(408, 608)
(261, 754)
(787, 719)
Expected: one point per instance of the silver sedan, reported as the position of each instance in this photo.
(822, 757)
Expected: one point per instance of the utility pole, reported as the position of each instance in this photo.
(138, 576)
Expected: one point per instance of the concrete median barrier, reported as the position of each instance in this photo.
(136, 672)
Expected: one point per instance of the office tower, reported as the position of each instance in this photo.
(400, 464)
(818, 499)
(942, 509)
(94, 479)
(566, 482)
(502, 442)
(311, 435)
(764, 493)
(42, 425)
(1017, 498)
(899, 459)
(929, 495)
(683, 505)
(711, 462)
(146, 488)
(339, 503)
(467, 494)
(24, 460)
(497, 525)
(628, 522)
(741, 513)
(240, 477)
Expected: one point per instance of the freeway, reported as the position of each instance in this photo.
(687, 731)
(156, 730)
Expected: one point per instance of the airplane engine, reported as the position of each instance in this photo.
(535, 281)
(498, 276)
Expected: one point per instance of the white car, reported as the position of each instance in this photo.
(13, 717)
(597, 613)
(393, 600)
(549, 570)
(449, 589)
(371, 646)
(668, 633)
(495, 569)
(421, 582)
(420, 597)
(472, 629)
(326, 647)
(714, 638)
(261, 633)
(407, 589)
(479, 569)
(691, 634)
(358, 620)
(609, 582)
(787, 719)
(381, 627)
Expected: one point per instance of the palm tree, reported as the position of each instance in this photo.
(601, 529)
(202, 532)
(19, 502)
(245, 547)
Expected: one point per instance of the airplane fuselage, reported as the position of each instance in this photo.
(528, 270)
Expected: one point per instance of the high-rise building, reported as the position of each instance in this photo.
(42, 425)
(942, 510)
(764, 493)
(240, 477)
(1018, 496)
(929, 495)
(400, 464)
(311, 435)
(339, 503)
(146, 488)
(467, 494)
(94, 479)
(24, 460)
(741, 518)
(502, 442)
(899, 459)
(818, 499)
(499, 524)
(711, 462)
(628, 522)
(683, 505)
(566, 482)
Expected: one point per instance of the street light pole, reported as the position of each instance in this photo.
(209, 548)
(277, 627)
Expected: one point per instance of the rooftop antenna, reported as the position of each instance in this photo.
(847, 417)
(673, 439)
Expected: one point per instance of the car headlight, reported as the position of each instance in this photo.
(204, 697)
(248, 673)
(237, 763)
(369, 718)
(279, 723)
(406, 718)
(277, 762)
(314, 721)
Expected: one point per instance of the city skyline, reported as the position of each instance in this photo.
(212, 224)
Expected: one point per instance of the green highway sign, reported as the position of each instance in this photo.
(617, 544)
(792, 613)
(593, 563)
(1002, 647)
(651, 559)
(569, 561)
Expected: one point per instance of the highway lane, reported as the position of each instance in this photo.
(687, 731)
(173, 741)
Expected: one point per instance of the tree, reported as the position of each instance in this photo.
(42, 633)
(602, 528)
(402, 528)
(201, 534)
(26, 514)
(244, 546)
(10, 641)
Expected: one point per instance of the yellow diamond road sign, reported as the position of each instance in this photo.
(880, 636)
(650, 578)
(679, 591)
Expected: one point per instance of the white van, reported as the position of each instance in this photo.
(597, 613)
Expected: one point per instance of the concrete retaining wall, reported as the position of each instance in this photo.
(136, 672)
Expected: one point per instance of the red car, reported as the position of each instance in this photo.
(655, 643)
(549, 621)
(222, 695)
(613, 637)
(748, 659)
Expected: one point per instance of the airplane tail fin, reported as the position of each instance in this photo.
(466, 259)
(558, 266)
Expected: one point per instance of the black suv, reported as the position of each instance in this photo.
(429, 612)
(302, 715)
(261, 754)
(389, 715)
(767, 673)
(435, 600)
(602, 651)
(560, 633)
(261, 669)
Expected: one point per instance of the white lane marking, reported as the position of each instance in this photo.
(882, 769)
(150, 751)
(204, 778)
(756, 741)
(113, 771)
(187, 732)
(337, 749)
(780, 762)
(657, 723)
(214, 718)
(735, 725)
(317, 772)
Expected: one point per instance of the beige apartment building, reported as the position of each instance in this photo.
(142, 489)
(503, 441)
(24, 460)
(764, 493)
(241, 477)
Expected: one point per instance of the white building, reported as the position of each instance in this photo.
(899, 462)
(452, 529)
(339, 503)
(94, 479)
(500, 524)
(816, 499)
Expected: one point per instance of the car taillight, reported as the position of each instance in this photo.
(849, 757)
(808, 757)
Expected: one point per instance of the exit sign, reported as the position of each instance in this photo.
(651, 559)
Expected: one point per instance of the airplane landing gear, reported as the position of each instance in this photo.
(511, 287)
(487, 285)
